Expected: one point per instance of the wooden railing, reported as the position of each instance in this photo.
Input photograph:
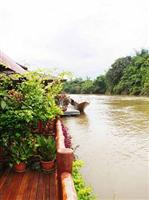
(69, 192)
(64, 167)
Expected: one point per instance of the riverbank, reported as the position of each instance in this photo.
(127, 75)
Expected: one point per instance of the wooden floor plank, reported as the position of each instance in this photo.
(27, 191)
(3, 177)
(23, 186)
(13, 188)
(33, 191)
(52, 187)
(6, 185)
(56, 186)
(40, 189)
(47, 186)
(31, 185)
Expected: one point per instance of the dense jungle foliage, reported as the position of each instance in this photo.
(127, 75)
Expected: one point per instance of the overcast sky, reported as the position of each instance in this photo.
(82, 36)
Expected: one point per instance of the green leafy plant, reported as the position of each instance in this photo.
(21, 149)
(39, 96)
(24, 100)
(83, 192)
(46, 148)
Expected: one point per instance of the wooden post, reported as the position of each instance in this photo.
(68, 189)
(64, 160)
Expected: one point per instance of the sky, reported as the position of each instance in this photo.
(82, 36)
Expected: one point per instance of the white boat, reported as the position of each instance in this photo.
(71, 113)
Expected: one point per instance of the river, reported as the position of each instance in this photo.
(113, 139)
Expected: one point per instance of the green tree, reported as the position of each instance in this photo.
(87, 87)
(129, 75)
(99, 85)
(114, 74)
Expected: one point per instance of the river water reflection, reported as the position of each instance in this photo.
(113, 139)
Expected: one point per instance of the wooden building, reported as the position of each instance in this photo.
(9, 66)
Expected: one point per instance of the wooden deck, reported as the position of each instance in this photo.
(31, 185)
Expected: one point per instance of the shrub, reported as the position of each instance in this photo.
(24, 100)
(67, 136)
(83, 192)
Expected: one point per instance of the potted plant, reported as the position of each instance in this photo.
(24, 101)
(47, 151)
(20, 151)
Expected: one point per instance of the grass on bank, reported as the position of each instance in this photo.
(84, 192)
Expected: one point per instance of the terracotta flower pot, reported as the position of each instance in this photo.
(21, 167)
(47, 165)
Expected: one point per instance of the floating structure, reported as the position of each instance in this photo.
(79, 106)
(71, 112)
(75, 110)
(70, 106)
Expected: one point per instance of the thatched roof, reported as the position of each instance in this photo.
(11, 64)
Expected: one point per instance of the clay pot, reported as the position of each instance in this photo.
(21, 167)
(47, 165)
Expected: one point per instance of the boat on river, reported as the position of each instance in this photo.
(79, 106)
(71, 112)
(70, 106)
(75, 109)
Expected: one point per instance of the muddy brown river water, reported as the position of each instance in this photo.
(113, 139)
